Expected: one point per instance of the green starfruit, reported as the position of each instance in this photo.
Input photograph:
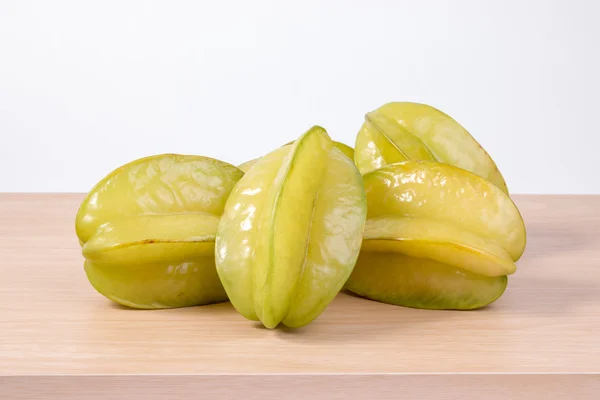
(401, 131)
(437, 236)
(291, 232)
(147, 231)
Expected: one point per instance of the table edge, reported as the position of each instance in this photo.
(304, 386)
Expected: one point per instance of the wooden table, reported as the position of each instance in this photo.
(60, 338)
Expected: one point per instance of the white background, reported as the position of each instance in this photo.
(87, 86)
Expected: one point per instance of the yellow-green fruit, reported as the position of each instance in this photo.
(147, 231)
(394, 278)
(291, 232)
(245, 166)
(436, 236)
(347, 150)
(401, 131)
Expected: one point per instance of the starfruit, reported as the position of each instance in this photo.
(147, 231)
(347, 150)
(291, 232)
(401, 131)
(437, 237)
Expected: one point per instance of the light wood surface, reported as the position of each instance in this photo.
(541, 339)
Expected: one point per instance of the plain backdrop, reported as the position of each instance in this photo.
(87, 86)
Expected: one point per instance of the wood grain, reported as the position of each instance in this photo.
(52, 322)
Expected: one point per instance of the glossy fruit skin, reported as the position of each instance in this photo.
(437, 236)
(401, 131)
(395, 278)
(344, 148)
(147, 231)
(347, 150)
(245, 166)
(291, 232)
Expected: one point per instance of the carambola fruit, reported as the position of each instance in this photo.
(291, 232)
(147, 231)
(401, 131)
(437, 236)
